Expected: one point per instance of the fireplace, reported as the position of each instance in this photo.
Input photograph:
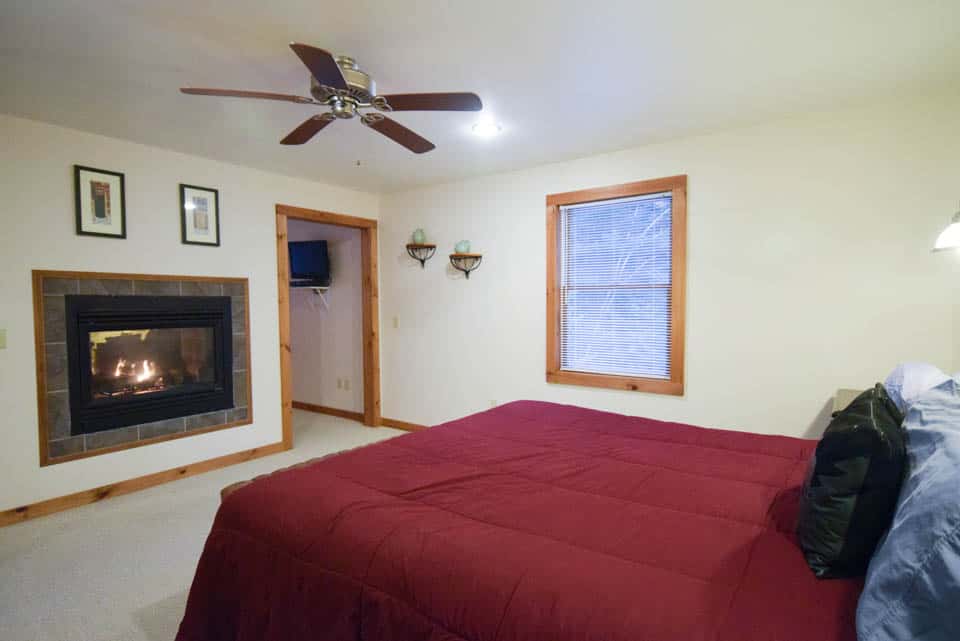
(138, 359)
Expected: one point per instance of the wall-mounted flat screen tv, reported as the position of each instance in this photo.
(309, 264)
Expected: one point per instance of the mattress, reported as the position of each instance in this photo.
(532, 521)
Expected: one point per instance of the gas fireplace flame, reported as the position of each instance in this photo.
(147, 372)
(144, 372)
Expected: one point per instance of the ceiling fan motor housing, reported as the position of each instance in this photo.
(360, 87)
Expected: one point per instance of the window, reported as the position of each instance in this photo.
(615, 286)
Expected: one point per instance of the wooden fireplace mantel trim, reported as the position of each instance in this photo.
(52, 273)
(39, 345)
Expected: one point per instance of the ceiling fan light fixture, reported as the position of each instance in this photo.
(486, 128)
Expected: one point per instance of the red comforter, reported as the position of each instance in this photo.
(533, 522)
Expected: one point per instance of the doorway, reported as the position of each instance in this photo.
(369, 310)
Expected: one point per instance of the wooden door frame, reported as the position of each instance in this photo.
(370, 310)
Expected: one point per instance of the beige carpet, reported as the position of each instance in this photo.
(120, 570)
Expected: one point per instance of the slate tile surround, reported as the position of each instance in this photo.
(60, 443)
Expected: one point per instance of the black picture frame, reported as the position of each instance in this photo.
(184, 212)
(84, 230)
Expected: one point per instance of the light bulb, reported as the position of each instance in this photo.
(486, 128)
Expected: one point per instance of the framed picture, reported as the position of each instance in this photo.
(101, 209)
(199, 215)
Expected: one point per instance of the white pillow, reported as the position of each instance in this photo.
(908, 381)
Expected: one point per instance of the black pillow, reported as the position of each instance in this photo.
(852, 486)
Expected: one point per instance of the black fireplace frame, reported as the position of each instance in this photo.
(85, 314)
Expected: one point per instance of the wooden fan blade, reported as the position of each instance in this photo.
(234, 93)
(321, 64)
(307, 130)
(398, 133)
(433, 102)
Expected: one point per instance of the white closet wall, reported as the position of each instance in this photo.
(326, 339)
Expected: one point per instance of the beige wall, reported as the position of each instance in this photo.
(327, 341)
(38, 233)
(809, 269)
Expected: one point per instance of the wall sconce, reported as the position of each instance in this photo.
(466, 262)
(463, 260)
(949, 238)
(419, 249)
(421, 252)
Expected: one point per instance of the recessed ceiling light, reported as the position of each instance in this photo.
(486, 128)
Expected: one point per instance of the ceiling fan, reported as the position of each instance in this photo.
(338, 83)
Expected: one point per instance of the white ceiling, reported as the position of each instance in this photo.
(566, 78)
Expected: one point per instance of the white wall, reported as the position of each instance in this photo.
(809, 270)
(327, 342)
(38, 233)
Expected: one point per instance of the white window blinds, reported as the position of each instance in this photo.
(615, 286)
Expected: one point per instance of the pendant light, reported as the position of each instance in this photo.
(949, 238)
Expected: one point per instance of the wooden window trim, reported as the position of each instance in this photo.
(677, 185)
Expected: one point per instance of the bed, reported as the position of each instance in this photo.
(532, 521)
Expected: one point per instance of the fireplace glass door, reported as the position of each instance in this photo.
(130, 362)
(134, 360)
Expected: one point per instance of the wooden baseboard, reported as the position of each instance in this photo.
(332, 411)
(358, 416)
(43, 508)
(401, 425)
